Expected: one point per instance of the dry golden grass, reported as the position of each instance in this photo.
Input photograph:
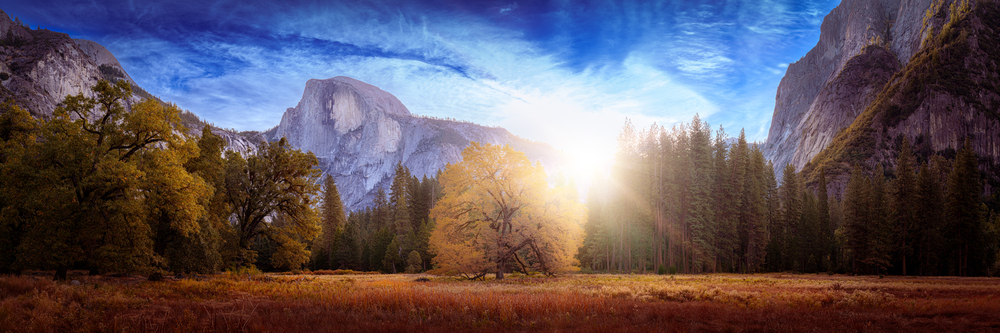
(595, 303)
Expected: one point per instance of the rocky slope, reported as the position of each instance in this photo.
(945, 91)
(359, 133)
(39, 68)
(825, 90)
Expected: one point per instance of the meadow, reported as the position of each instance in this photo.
(426, 303)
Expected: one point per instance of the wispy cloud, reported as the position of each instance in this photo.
(556, 71)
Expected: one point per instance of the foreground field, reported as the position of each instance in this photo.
(599, 303)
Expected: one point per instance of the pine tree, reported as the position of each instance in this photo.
(773, 245)
(806, 261)
(700, 221)
(929, 218)
(348, 255)
(332, 220)
(881, 242)
(857, 218)
(755, 212)
(728, 179)
(824, 243)
(904, 204)
(962, 208)
(790, 194)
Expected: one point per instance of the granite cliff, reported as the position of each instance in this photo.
(360, 132)
(39, 68)
(887, 70)
(833, 83)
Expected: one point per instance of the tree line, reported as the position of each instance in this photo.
(683, 200)
(391, 236)
(110, 185)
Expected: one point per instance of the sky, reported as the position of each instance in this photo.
(568, 73)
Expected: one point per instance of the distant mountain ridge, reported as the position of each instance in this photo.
(360, 132)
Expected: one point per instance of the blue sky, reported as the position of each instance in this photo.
(563, 72)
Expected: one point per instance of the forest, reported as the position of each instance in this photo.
(110, 185)
(685, 201)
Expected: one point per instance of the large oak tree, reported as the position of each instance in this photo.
(497, 210)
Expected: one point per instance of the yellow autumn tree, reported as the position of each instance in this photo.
(497, 213)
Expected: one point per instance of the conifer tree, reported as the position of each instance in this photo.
(929, 219)
(700, 221)
(857, 218)
(332, 220)
(756, 210)
(348, 255)
(790, 194)
(880, 238)
(962, 208)
(824, 243)
(904, 204)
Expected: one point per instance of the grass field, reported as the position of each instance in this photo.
(596, 303)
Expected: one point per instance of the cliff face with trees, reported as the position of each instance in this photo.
(924, 71)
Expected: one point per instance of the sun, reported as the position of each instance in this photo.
(584, 162)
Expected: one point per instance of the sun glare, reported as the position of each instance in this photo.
(583, 163)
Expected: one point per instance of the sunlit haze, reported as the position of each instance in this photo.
(560, 72)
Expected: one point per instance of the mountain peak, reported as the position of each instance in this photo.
(360, 132)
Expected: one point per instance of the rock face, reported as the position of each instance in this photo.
(816, 98)
(932, 76)
(40, 67)
(359, 133)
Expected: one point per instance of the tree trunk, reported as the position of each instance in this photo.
(60, 274)
(500, 270)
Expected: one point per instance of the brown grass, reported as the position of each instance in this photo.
(590, 303)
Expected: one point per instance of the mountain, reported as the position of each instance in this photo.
(360, 132)
(888, 69)
(39, 68)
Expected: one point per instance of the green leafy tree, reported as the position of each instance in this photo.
(276, 182)
(216, 244)
(18, 142)
(92, 180)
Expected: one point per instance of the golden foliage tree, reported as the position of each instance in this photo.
(497, 210)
